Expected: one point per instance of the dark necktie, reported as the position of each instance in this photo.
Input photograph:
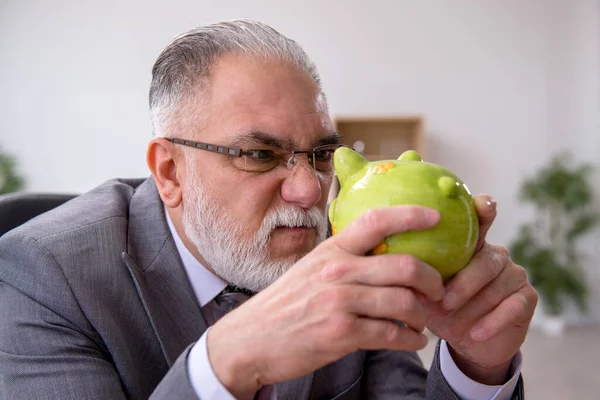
(230, 298)
(224, 302)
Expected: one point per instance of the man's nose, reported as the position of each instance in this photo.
(302, 186)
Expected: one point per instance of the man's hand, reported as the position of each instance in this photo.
(333, 302)
(487, 308)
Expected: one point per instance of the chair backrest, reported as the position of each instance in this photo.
(18, 208)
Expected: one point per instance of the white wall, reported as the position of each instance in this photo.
(574, 110)
(500, 83)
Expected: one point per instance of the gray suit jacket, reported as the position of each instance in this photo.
(95, 304)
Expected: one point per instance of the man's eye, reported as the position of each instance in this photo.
(264, 155)
(323, 155)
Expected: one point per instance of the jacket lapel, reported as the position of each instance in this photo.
(297, 389)
(164, 288)
(159, 275)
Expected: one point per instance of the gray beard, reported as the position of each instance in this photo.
(224, 245)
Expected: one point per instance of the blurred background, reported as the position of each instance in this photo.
(493, 90)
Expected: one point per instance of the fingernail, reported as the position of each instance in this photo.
(491, 202)
(478, 333)
(431, 215)
(449, 301)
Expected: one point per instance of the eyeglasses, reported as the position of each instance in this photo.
(263, 160)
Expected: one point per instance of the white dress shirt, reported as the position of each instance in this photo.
(207, 386)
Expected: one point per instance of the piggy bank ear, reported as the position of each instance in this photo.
(449, 186)
(346, 162)
(410, 155)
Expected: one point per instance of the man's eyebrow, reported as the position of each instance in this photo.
(263, 138)
(267, 139)
(332, 138)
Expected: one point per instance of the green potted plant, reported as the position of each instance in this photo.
(10, 181)
(547, 246)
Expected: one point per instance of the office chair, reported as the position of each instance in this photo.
(18, 208)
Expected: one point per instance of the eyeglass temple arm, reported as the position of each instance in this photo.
(232, 151)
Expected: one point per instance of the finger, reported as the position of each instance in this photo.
(374, 334)
(512, 279)
(368, 230)
(393, 303)
(485, 266)
(387, 270)
(485, 206)
(515, 311)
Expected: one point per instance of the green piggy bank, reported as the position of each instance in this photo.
(364, 185)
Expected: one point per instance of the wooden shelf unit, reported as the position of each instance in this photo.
(383, 137)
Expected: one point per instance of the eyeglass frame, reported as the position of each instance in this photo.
(235, 151)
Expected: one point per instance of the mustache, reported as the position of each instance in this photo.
(293, 218)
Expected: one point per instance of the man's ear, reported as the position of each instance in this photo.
(162, 159)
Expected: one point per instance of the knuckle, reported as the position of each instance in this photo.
(494, 263)
(392, 332)
(524, 303)
(335, 298)
(519, 307)
(335, 270)
(501, 255)
(370, 219)
(413, 216)
(520, 273)
(503, 251)
(504, 289)
(534, 299)
(514, 309)
(340, 327)
(410, 219)
(409, 267)
(378, 301)
(490, 267)
(531, 296)
(405, 300)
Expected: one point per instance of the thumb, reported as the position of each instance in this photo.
(486, 212)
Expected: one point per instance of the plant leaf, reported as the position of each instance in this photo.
(10, 181)
(582, 225)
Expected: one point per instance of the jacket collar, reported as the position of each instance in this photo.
(164, 288)
(159, 276)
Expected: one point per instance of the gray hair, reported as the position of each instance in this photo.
(184, 66)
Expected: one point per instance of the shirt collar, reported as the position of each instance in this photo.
(206, 284)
